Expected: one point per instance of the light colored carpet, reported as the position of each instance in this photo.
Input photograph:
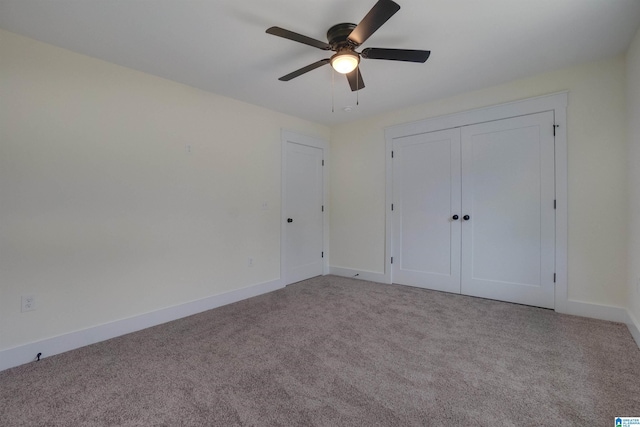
(333, 351)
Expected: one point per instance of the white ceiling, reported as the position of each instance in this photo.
(221, 45)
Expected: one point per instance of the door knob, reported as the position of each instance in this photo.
(466, 217)
(289, 219)
(455, 217)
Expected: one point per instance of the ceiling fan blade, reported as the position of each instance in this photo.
(281, 32)
(355, 80)
(303, 70)
(396, 54)
(378, 15)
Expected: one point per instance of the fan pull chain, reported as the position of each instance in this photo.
(333, 78)
(358, 86)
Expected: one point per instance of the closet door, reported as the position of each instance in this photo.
(508, 240)
(426, 210)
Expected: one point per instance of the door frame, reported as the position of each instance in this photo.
(310, 141)
(556, 103)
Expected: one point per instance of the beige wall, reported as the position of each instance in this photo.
(104, 215)
(633, 115)
(596, 174)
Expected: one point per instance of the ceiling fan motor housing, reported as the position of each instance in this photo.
(338, 36)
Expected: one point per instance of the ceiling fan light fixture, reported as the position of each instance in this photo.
(345, 38)
(345, 61)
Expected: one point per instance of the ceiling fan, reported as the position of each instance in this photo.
(345, 38)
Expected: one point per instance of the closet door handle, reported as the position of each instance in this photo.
(466, 217)
(289, 219)
(455, 217)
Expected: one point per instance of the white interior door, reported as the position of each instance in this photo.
(426, 189)
(508, 242)
(303, 212)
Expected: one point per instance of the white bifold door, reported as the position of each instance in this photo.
(473, 210)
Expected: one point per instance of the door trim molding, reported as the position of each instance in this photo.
(310, 141)
(555, 102)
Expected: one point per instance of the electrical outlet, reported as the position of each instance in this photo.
(28, 303)
(250, 262)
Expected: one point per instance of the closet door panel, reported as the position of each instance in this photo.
(426, 179)
(508, 192)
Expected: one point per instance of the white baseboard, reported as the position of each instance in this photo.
(48, 347)
(604, 312)
(358, 274)
(595, 311)
(634, 327)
